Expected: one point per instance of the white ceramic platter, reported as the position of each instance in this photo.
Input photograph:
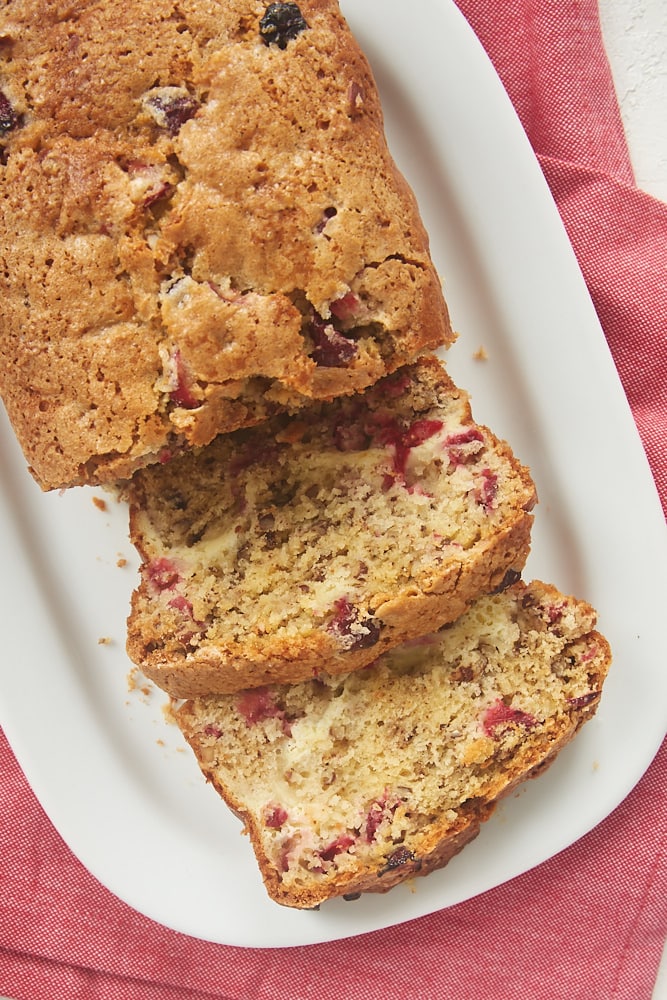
(110, 771)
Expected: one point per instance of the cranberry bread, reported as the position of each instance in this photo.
(315, 542)
(200, 223)
(352, 784)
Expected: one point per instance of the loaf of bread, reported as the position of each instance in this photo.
(313, 543)
(200, 224)
(353, 784)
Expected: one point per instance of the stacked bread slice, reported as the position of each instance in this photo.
(354, 783)
(218, 298)
(311, 544)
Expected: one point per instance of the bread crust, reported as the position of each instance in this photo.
(183, 208)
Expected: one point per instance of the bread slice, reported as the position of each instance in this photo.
(200, 224)
(313, 543)
(353, 784)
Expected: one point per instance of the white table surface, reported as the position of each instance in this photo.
(635, 34)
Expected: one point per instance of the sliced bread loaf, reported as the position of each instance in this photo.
(353, 784)
(313, 543)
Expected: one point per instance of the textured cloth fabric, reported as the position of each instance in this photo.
(589, 923)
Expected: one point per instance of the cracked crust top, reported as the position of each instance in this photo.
(201, 224)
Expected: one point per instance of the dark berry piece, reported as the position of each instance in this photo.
(400, 857)
(583, 700)
(162, 573)
(8, 116)
(352, 630)
(332, 349)
(281, 23)
(171, 107)
(511, 577)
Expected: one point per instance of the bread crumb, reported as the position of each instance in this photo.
(121, 561)
(134, 685)
(168, 713)
(100, 503)
(481, 354)
(104, 640)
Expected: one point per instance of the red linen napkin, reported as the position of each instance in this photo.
(589, 923)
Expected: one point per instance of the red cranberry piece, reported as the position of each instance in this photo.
(162, 573)
(345, 308)
(275, 816)
(153, 185)
(351, 629)
(583, 700)
(182, 395)
(212, 730)
(486, 492)
(499, 716)
(286, 853)
(459, 445)
(337, 846)
(331, 348)
(9, 119)
(163, 191)
(554, 613)
(378, 812)
(172, 108)
(420, 431)
(182, 604)
(257, 705)
(394, 385)
(403, 440)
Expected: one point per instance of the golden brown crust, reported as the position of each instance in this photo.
(180, 205)
(312, 545)
(437, 744)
